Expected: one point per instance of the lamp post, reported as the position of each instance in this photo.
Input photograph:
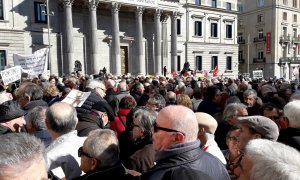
(48, 13)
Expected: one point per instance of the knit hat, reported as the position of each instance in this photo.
(262, 125)
(10, 110)
(207, 121)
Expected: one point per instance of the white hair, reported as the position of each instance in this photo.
(272, 160)
(292, 112)
(110, 83)
(189, 91)
(3, 98)
(95, 83)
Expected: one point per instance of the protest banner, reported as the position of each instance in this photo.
(11, 75)
(258, 74)
(33, 64)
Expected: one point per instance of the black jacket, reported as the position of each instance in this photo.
(89, 102)
(87, 123)
(290, 137)
(33, 104)
(112, 173)
(4, 130)
(188, 156)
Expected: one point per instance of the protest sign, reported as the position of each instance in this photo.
(33, 64)
(11, 75)
(76, 98)
(257, 74)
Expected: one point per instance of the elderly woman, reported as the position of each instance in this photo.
(143, 157)
(184, 100)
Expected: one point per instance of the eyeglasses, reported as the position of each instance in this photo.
(156, 128)
(233, 138)
(81, 152)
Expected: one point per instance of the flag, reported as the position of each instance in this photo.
(215, 73)
(205, 73)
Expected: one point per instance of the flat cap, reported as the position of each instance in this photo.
(10, 110)
(207, 121)
(262, 125)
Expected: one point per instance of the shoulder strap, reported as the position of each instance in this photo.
(121, 120)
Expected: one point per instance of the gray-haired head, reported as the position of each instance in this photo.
(110, 83)
(292, 112)
(250, 92)
(146, 120)
(278, 160)
(122, 86)
(103, 145)
(61, 118)
(36, 118)
(18, 153)
(232, 109)
(92, 84)
(157, 100)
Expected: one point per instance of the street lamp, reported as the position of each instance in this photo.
(48, 13)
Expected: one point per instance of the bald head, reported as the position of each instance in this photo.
(182, 119)
(61, 118)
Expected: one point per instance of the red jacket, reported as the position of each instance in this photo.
(117, 124)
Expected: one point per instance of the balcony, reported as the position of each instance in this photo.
(259, 60)
(259, 39)
(296, 40)
(284, 39)
(241, 41)
(241, 61)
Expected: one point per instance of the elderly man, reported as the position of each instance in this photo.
(252, 102)
(230, 118)
(267, 160)
(207, 128)
(175, 142)
(156, 102)
(11, 117)
(62, 159)
(291, 135)
(36, 124)
(30, 95)
(22, 157)
(100, 156)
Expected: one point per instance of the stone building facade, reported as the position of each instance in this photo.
(125, 36)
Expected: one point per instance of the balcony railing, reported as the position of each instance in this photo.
(241, 41)
(296, 40)
(284, 39)
(259, 39)
(259, 60)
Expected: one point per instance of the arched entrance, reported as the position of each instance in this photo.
(124, 59)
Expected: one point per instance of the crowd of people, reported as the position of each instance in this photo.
(140, 127)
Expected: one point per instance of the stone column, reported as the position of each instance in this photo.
(116, 59)
(94, 53)
(165, 52)
(157, 41)
(68, 49)
(174, 41)
(140, 59)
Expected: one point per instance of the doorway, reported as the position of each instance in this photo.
(124, 59)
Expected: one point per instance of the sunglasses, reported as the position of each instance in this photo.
(81, 152)
(156, 128)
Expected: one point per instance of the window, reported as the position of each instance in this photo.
(295, 33)
(199, 62)
(39, 12)
(2, 59)
(214, 3)
(198, 28)
(198, 2)
(228, 63)
(284, 16)
(214, 62)
(295, 18)
(214, 30)
(1, 10)
(260, 18)
(178, 26)
(260, 54)
(260, 34)
(228, 6)
(240, 7)
(178, 63)
(261, 3)
(295, 3)
(240, 37)
(229, 31)
(284, 31)
(241, 56)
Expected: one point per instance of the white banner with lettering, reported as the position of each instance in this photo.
(152, 3)
(33, 64)
(11, 75)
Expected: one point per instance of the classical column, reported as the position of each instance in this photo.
(140, 59)
(174, 42)
(94, 53)
(157, 41)
(116, 65)
(165, 52)
(68, 49)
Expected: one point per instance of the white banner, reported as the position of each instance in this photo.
(258, 74)
(33, 64)
(11, 75)
(152, 3)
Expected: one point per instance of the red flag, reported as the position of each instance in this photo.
(174, 74)
(215, 73)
